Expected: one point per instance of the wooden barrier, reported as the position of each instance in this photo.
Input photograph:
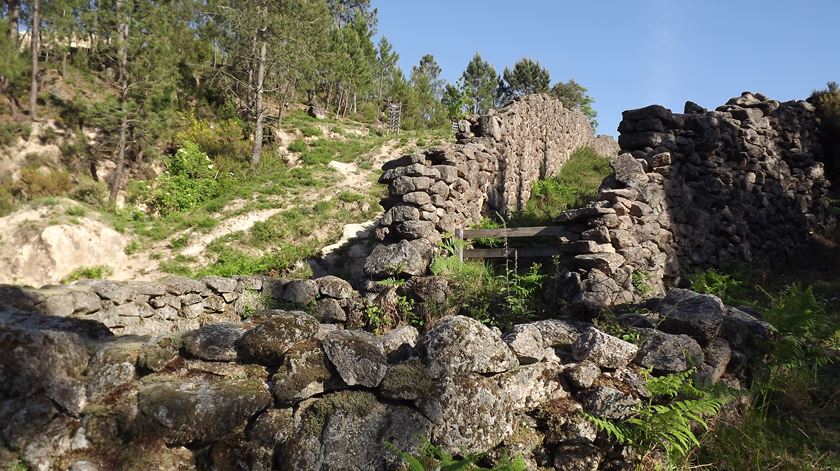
(510, 232)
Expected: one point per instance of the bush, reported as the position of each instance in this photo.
(39, 182)
(298, 146)
(9, 133)
(189, 180)
(90, 192)
(216, 138)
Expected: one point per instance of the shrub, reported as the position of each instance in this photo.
(10, 132)
(38, 182)
(310, 131)
(90, 192)
(189, 180)
(298, 145)
(669, 418)
(222, 138)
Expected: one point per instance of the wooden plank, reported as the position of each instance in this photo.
(459, 234)
(538, 231)
(526, 252)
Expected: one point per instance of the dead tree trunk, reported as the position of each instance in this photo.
(35, 43)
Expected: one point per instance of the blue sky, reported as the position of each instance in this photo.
(632, 53)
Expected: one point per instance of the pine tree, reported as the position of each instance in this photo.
(428, 88)
(527, 77)
(574, 96)
(386, 68)
(480, 81)
(13, 70)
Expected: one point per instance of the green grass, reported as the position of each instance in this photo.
(87, 273)
(298, 146)
(574, 186)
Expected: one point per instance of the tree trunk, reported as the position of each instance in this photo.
(14, 20)
(35, 33)
(250, 90)
(258, 105)
(13, 103)
(122, 77)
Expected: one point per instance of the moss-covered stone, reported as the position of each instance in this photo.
(407, 381)
(276, 334)
(305, 371)
(197, 409)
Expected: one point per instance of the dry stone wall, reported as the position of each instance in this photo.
(694, 190)
(491, 168)
(284, 391)
(175, 304)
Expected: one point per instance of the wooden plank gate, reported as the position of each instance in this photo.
(510, 232)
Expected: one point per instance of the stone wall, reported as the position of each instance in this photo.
(283, 391)
(695, 190)
(491, 168)
(174, 304)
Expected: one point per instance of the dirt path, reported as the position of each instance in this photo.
(145, 264)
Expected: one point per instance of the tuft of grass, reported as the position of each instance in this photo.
(76, 210)
(298, 146)
(310, 131)
(87, 273)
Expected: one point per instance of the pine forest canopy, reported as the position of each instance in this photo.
(240, 60)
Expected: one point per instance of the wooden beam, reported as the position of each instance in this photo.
(527, 252)
(538, 231)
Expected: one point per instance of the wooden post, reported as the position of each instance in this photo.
(459, 235)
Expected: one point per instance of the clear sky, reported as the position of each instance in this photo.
(632, 53)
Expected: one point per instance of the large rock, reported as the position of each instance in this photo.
(39, 251)
(279, 332)
(534, 341)
(459, 344)
(301, 292)
(529, 386)
(668, 353)
(215, 342)
(603, 349)
(402, 258)
(347, 429)
(305, 372)
(53, 362)
(399, 343)
(357, 356)
(200, 409)
(334, 287)
(609, 403)
(697, 315)
(469, 413)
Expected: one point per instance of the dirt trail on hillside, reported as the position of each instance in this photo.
(145, 264)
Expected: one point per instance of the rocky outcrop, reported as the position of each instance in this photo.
(491, 168)
(695, 190)
(281, 391)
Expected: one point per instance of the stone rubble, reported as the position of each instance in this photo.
(329, 397)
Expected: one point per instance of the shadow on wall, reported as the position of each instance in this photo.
(694, 190)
